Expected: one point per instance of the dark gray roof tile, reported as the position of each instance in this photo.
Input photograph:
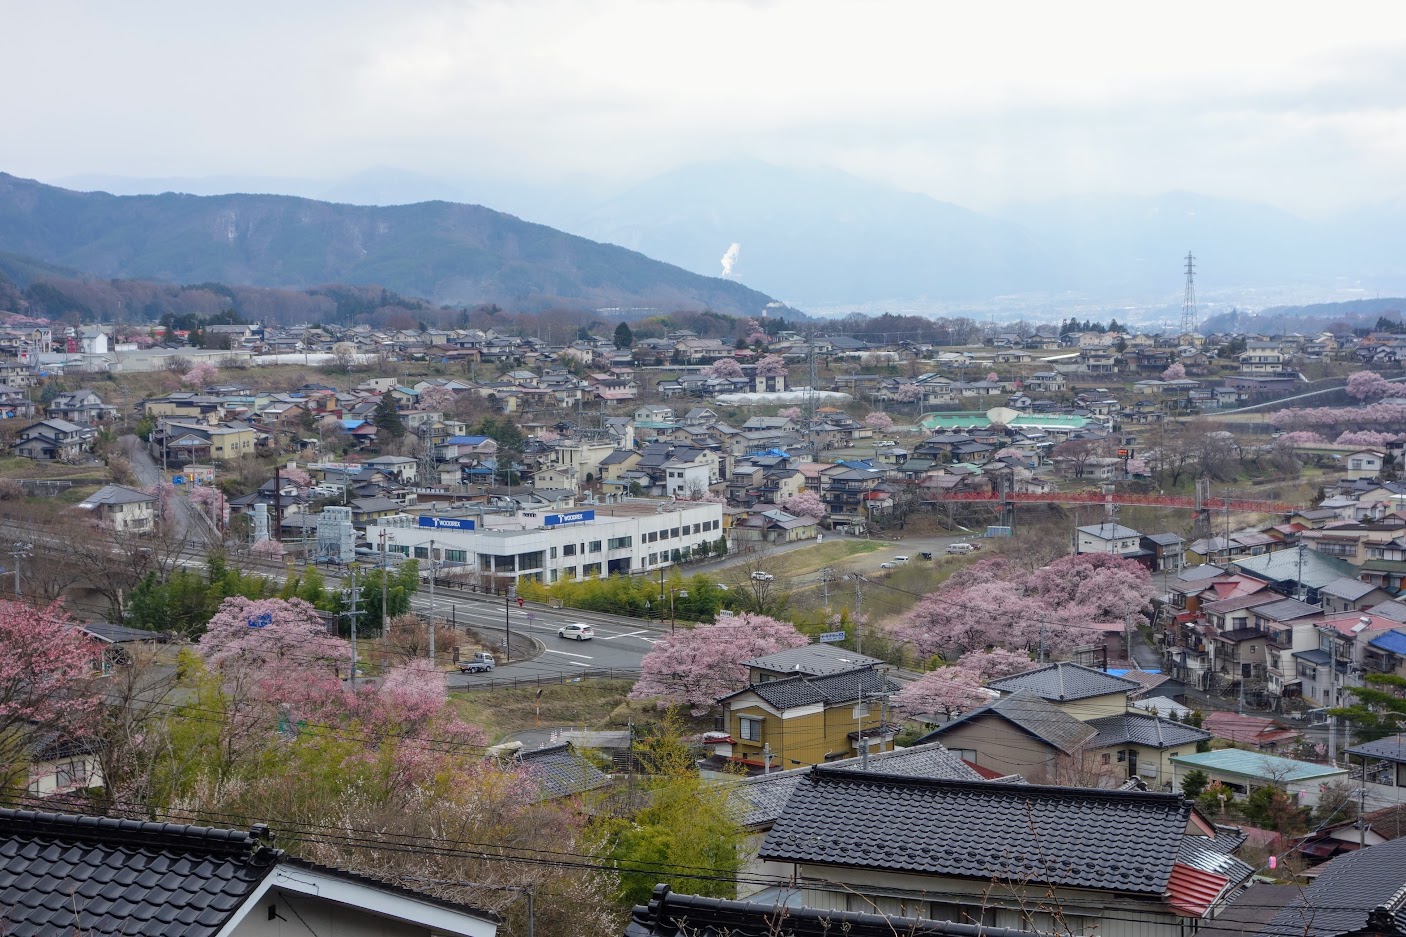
(1124, 841)
(1064, 681)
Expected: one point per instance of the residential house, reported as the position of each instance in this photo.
(1164, 552)
(1361, 893)
(1259, 732)
(1364, 463)
(804, 720)
(1381, 771)
(401, 468)
(121, 509)
(1041, 859)
(1346, 594)
(129, 876)
(774, 526)
(83, 407)
(1082, 692)
(53, 441)
(810, 660)
(1246, 771)
(1110, 539)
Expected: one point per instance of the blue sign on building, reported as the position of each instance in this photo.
(574, 517)
(447, 523)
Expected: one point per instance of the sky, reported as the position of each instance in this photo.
(1301, 105)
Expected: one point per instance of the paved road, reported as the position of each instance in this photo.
(196, 530)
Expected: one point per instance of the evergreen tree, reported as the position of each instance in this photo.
(624, 338)
(387, 418)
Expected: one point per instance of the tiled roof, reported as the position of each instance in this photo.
(1346, 891)
(562, 771)
(759, 800)
(1203, 852)
(1029, 713)
(671, 915)
(1252, 909)
(1137, 729)
(816, 660)
(97, 876)
(1347, 588)
(1063, 682)
(1073, 837)
(1257, 765)
(1391, 748)
(843, 687)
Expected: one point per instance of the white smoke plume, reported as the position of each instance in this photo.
(730, 258)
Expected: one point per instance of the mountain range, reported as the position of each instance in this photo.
(446, 252)
(825, 239)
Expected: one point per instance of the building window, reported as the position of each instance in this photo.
(456, 556)
(674, 532)
(568, 549)
(619, 543)
(554, 553)
(749, 729)
(595, 546)
(1108, 758)
(422, 553)
(590, 569)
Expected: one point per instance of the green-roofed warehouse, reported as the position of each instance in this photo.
(1243, 771)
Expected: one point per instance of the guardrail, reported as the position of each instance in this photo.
(558, 679)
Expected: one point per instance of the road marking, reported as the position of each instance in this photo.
(578, 663)
(569, 654)
(628, 634)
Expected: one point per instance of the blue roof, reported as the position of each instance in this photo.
(466, 440)
(352, 424)
(1393, 642)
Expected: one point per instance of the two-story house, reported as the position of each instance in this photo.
(83, 407)
(119, 508)
(53, 441)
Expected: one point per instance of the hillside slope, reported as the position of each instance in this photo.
(446, 252)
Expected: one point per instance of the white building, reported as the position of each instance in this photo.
(1110, 538)
(633, 535)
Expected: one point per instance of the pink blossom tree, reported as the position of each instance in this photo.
(406, 716)
(790, 413)
(201, 375)
(879, 420)
(724, 367)
(756, 335)
(267, 550)
(296, 476)
(1365, 437)
(771, 366)
(949, 691)
(698, 666)
(1301, 438)
(995, 663)
(1095, 587)
(45, 689)
(436, 397)
(548, 435)
(1369, 386)
(805, 504)
(278, 652)
(1138, 467)
(907, 393)
(952, 622)
(1175, 372)
(212, 502)
(993, 378)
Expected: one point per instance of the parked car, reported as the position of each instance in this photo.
(960, 549)
(481, 662)
(577, 632)
(762, 577)
(887, 565)
(901, 558)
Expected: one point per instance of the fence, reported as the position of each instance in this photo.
(556, 679)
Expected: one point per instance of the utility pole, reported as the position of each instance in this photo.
(432, 605)
(354, 595)
(858, 615)
(385, 585)
(277, 504)
(859, 713)
(507, 631)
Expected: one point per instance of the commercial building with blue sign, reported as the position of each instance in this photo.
(631, 536)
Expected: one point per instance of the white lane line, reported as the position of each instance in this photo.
(569, 654)
(578, 663)
(628, 634)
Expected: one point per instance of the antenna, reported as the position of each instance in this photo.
(1188, 303)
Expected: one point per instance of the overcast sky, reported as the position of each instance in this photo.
(1299, 104)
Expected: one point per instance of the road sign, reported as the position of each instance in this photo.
(831, 637)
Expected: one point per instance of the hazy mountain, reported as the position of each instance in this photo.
(446, 252)
(821, 236)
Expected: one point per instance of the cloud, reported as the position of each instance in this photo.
(974, 103)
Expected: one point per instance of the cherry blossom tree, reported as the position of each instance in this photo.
(879, 420)
(771, 366)
(1138, 467)
(201, 375)
(907, 393)
(211, 501)
(1095, 587)
(267, 550)
(949, 691)
(698, 666)
(995, 663)
(278, 652)
(1379, 413)
(437, 397)
(405, 714)
(45, 689)
(1175, 372)
(993, 378)
(1302, 438)
(1364, 437)
(1009, 453)
(805, 504)
(755, 333)
(296, 476)
(548, 435)
(950, 623)
(790, 413)
(1369, 386)
(724, 367)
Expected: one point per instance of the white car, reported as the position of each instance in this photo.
(886, 565)
(577, 632)
(762, 577)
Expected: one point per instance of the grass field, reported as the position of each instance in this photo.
(590, 704)
(813, 559)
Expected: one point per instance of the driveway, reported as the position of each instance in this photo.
(195, 530)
